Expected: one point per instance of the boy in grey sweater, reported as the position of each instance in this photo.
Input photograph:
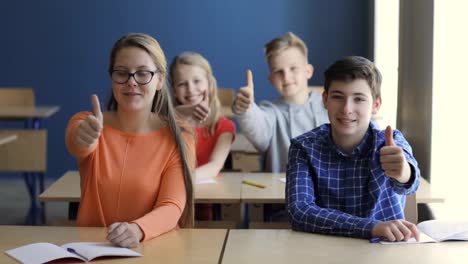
(271, 125)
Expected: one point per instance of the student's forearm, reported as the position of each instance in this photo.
(405, 175)
(411, 185)
(217, 158)
(314, 219)
(160, 220)
(209, 170)
(257, 127)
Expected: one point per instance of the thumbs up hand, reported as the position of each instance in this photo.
(90, 129)
(245, 96)
(198, 113)
(392, 159)
(202, 110)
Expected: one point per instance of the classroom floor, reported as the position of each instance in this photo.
(14, 203)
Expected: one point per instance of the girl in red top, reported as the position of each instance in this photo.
(196, 99)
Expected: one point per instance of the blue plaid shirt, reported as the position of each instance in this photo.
(330, 192)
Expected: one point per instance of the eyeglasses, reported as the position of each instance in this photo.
(141, 77)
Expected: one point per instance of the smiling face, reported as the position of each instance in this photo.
(289, 72)
(131, 96)
(350, 107)
(190, 84)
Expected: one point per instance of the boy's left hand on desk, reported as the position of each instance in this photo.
(392, 159)
(124, 234)
(395, 230)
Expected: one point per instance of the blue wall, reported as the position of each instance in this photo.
(61, 48)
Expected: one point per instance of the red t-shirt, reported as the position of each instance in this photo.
(206, 143)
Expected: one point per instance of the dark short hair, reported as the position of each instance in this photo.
(352, 68)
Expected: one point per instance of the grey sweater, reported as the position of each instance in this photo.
(271, 125)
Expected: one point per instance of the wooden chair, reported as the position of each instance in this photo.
(28, 153)
(16, 97)
(411, 209)
(226, 96)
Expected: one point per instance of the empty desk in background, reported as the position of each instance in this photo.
(35, 114)
(27, 154)
(177, 246)
(7, 137)
(65, 189)
(286, 246)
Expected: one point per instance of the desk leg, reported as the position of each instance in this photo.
(36, 209)
(73, 210)
(42, 204)
(30, 181)
(38, 124)
(246, 218)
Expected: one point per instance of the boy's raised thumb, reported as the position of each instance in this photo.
(249, 79)
(389, 137)
(96, 107)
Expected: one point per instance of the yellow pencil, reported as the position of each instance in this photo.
(253, 184)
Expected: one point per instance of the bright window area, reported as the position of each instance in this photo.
(386, 58)
(450, 96)
(450, 108)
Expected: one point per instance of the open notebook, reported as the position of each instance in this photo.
(44, 252)
(438, 231)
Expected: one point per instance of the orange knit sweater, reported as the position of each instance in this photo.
(128, 177)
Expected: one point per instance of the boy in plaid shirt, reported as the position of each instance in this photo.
(348, 177)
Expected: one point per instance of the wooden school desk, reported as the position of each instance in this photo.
(275, 189)
(225, 191)
(34, 141)
(6, 138)
(36, 113)
(178, 246)
(286, 246)
(274, 192)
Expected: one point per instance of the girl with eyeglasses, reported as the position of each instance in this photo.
(135, 160)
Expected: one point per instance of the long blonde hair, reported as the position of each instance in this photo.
(195, 59)
(162, 105)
